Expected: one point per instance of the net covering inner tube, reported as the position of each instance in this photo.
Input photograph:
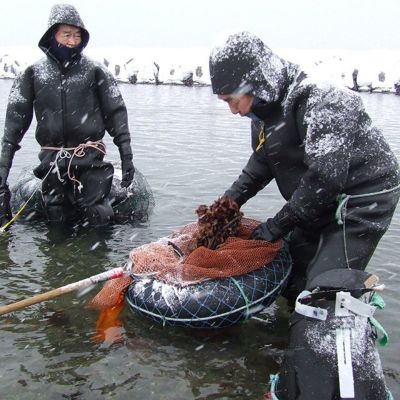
(214, 303)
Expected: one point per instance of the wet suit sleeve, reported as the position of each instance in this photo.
(18, 116)
(114, 112)
(330, 126)
(254, 177)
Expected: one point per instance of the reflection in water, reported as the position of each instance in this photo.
(190, 149)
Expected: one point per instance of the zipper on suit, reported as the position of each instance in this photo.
(63, 107)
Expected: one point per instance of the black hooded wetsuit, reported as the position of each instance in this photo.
(75, 102)
(318, 143)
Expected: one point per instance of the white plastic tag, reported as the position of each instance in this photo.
(343, 349)
(309, 311)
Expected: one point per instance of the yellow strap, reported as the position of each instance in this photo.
(5, 227)
(18, 213)
(261, 139)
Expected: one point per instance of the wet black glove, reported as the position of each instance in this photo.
(268, 231)
(5, 209)
(128, 171)
(277, 227)
(7, 153)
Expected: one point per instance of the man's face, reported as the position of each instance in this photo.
(68, 35)
(238, 104)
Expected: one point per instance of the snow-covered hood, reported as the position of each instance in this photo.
(243, 64)
(63, 14)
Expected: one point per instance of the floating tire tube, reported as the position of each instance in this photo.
(214, 303)
(133, 203)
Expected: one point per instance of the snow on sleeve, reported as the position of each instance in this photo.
(111, 84)
(331, 118)
(15, 94)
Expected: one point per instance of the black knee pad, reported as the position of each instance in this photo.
(99, 214)
(332, 352)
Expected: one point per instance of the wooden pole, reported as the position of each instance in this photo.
(111, 274)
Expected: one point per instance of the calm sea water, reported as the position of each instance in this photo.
(190, 149)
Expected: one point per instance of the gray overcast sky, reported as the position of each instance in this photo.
(347, 24)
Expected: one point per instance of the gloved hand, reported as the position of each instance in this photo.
(5, 209)
(128, 171)
(268, 231)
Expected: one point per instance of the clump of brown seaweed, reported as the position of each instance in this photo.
(217, 222)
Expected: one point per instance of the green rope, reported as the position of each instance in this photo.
(343, 198)
(340, 214)
(384, 339)
(378, 302)
(246, 300)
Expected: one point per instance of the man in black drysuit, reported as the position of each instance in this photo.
(335, 170)
(75, 101)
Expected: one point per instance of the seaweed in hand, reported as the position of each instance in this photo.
(217, 222)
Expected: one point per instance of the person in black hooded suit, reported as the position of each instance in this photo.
(75, 101)
(335, 170)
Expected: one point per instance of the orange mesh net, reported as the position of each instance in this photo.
(109, 328)
(178, 260)
(111, 294)
(183, 259)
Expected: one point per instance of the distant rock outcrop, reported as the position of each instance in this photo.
(117, 70)
(187, 78)
(156, 72)
(189, 67)
(354, 76)
(132, 79)
(199, 71)
(397, 87)
(9, 66)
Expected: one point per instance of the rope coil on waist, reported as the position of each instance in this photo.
(78, 151)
